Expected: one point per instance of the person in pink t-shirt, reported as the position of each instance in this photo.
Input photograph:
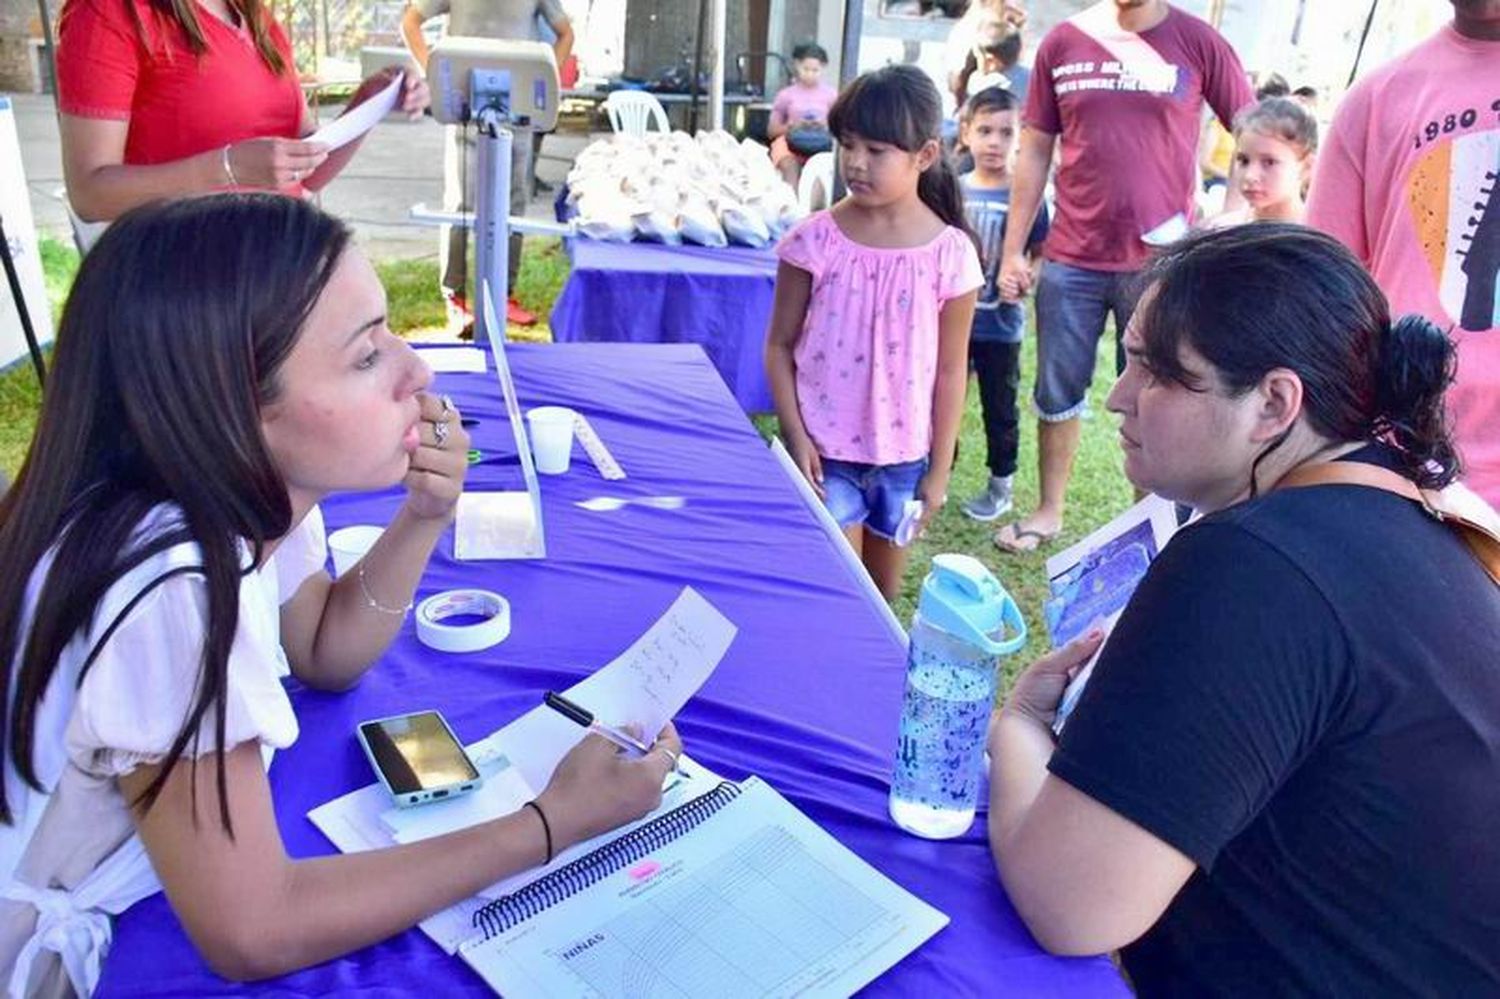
(868, 346)
(1409, 179)
(1120, 87)
(801, 105)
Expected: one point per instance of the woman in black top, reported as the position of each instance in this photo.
(1284, 776)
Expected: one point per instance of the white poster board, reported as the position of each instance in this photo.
(502, 525)
(20, 233)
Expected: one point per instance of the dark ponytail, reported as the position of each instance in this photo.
(1416, 365)
(939, 190)
(1253, 298)
(900, 105)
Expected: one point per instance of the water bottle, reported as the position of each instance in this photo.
(965, 622)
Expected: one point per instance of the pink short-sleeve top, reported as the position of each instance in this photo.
(867, 359)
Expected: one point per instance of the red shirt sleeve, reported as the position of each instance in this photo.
(1041, 100)
(99, 54)
(1226, 86)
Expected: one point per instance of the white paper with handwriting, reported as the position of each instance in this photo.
(646, 685)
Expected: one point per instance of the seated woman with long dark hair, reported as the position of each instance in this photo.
(222, 364)
(1284, 775)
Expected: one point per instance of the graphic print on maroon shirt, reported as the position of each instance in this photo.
(1127, 106)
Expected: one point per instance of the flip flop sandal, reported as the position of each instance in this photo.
(1018, 534)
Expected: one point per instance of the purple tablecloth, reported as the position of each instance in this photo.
(719, 299)
(807, 696)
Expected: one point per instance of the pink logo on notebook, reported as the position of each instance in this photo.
(643, 871)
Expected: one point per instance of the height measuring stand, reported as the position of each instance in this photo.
(502, 88)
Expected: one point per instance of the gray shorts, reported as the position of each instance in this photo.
(1072, 304)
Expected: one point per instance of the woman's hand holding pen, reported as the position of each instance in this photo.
(598, 787)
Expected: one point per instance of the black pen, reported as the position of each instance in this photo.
(583, 716)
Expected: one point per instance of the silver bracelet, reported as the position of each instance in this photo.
(229, 170)
(376, 605)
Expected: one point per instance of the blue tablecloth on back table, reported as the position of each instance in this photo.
(651, 293)
(807, 697)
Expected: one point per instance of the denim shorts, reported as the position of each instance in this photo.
(1072, 305)
(872, 495)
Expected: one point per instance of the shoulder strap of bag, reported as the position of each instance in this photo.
(1464, 512)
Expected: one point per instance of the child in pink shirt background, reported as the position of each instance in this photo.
(1409, 179)
(868, 347)
(801, 104)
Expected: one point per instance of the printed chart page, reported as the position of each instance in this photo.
(756, 900)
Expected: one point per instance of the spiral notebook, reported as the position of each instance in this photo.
(734, 893)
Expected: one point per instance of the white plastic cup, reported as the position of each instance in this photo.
(349, 544)
(552, 438)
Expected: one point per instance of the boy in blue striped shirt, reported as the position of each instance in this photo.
(990, 130)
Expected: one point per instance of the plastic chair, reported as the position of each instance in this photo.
(633, 111)
(817, 170)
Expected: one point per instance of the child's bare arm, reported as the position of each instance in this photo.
(954, 324)
(788, 313)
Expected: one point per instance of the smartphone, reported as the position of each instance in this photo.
(418, 758)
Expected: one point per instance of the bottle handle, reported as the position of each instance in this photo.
(1013, 622)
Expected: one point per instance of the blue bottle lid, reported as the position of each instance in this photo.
(962, 597)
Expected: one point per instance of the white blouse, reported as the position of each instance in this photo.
(71, 858)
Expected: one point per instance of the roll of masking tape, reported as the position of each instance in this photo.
(491, 610)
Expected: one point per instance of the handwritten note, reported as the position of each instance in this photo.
(645, 685)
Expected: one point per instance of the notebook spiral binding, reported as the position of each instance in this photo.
(540, 895)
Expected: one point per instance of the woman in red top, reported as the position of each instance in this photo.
(164, 98)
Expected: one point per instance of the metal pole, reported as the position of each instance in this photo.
(697, 71)
(1363, 37)
(854, 26)
(716, 68)
(49, 48)
(491, 211)
(14, 280)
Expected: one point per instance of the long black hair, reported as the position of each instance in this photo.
(900, 105)
(184, 14)
(169, 346)
(1268, 295)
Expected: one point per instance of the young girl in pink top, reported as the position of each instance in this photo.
(868, 346)
(1276, 142)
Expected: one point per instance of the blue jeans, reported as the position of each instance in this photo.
(1072, 304)
(872, 495)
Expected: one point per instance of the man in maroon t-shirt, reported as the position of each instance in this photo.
(1123, 85)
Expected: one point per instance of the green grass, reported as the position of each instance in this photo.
(411, 294)
(1098, 490)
